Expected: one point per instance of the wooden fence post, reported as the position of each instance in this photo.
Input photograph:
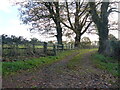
(33, 46)
(1, 48)
(45, 47)
(62, 46)
(69, 46)
(73, 46)
(66, 46)
(16, 49)
(13, 49)
(54, 49)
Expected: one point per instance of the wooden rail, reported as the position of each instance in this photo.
(34, 49)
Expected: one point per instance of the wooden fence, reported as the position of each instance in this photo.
(39, 49)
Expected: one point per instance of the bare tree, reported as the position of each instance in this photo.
(42, 15)
(76, 18)
(101, 21)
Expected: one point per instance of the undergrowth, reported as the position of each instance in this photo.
(106, 63)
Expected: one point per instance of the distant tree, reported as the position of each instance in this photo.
(13, 39)
(85, 42)
(4, 39)
(33, 40)
(86, 39)
(50, 42)
(112, 37)
(8, 39)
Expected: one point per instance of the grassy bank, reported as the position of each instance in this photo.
(106, 63)
(13, 67)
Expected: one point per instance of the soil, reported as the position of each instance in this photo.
(58, 75)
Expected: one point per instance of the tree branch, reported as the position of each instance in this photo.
(112, 10)
(51, 10)
(68, 15)
(83, 11)
(68, 26)
(93, 12)
(84, 20)
(86, 28)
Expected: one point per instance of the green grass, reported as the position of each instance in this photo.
(106, 63)
(74, 63)
(13, 67)
(36, 46)
(49, 47)
(39, 46)
(0, 68)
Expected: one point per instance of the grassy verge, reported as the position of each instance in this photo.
(13, 67)
(106, 63)
(74, 63)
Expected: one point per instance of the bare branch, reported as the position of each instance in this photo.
(84, 20)
(84, 11)
(68, 26)
(86, 28)
(68, 15)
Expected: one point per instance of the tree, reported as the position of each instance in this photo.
(112, 37)
(85, 42)
(4, 39)
(41, 14)
(55, 15)
(13, 39)
(34, 40)
(76, 17)
(101, 21)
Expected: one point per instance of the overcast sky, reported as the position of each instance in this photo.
(10, 23)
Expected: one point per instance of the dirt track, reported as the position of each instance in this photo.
(58, 75)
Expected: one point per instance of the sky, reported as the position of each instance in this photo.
(9, 20)
(10, 24)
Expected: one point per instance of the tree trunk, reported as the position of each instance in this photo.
(57, 21)
(77, 40)
(54, 10)
(59, 34)
(101, 22)
(103, 39)
(102, 45)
